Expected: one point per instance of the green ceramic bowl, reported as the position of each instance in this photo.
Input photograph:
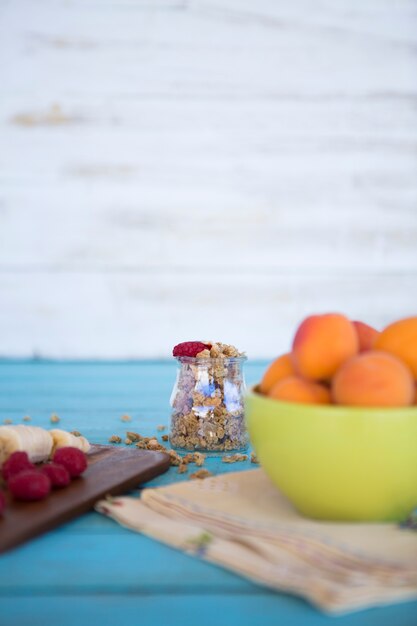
(338, 463)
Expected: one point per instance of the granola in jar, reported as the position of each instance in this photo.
(207, 400)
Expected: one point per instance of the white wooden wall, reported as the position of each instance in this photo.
(174, 169)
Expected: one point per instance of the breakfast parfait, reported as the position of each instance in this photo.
(207, 400)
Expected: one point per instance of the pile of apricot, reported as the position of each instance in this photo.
(337, 361)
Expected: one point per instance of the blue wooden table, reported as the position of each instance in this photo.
(92, 570)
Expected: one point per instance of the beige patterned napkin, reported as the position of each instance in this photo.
(242, 522)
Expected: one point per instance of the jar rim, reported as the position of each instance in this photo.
(206, 360)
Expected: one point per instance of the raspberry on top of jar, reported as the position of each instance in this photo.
(207, 400)
(206, 350)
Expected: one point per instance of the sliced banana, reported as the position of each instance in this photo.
(37, 442)
(62, 438)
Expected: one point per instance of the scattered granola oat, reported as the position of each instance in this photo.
(235, 458)
(199, 458)
(55, 419)
(201, 473)
(182, 468)
(126, 418)
(134, 436)
(253, 458)
(160, 428)
(7, 421)
(115, 439)
(76, 433)
(147, 443)
(194, 457)
(128, 441)
(174, 457)
(208, 409)
(165, 438)
(27, 418)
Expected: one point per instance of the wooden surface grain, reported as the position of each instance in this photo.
(110, 472)
(92, 569)
(178, 164)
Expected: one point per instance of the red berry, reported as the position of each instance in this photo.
(74, 461)
(2, 502)
(190, 348)
(29, 485)
(57, 474)
(17, 462)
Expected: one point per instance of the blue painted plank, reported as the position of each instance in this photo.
(108, 562)
(178, 609)
(138, 388)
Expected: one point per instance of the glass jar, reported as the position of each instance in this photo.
(207, 405)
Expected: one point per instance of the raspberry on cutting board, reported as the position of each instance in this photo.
(29, 485)
(57, 474)
(16, 463)
(74, 461)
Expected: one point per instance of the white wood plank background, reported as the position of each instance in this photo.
(177, 169)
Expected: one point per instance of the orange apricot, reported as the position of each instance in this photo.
(400, 339)
(296, 389)
(322, 343)
(277, 370)
(373, 378)
(366, 335)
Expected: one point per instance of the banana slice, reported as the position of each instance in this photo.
(37, 442)
(62, 439)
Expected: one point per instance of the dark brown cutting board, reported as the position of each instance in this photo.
(111, 471)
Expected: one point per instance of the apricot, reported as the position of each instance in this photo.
(400, 339)
(278, 369)
(373, 378)
(366, 335)
(322, 343)
(296, 389)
